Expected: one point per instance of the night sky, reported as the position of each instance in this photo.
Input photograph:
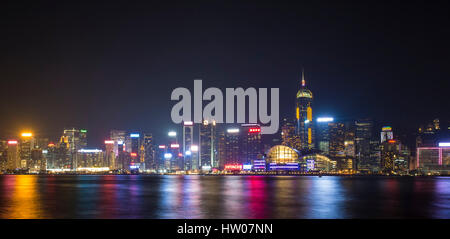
(110, 65)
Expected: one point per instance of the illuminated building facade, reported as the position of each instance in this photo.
(221, 146)
(26, 145)
(363, 136)
(250, 146)
(118, 136)
(38, 161)
(135, 149)
(281, 154)
(386, 134)
(433, 160)
(289, 137)
(282, 158)
(208, 146)
(13, 159)
(190, 162)
(319, 163)
(57, 156)
(148, 153)
(323, 125)
(232, 150)
(375, 156)
(74, 140)
(123, 158)
(90, 158)
(337, 144)
(3, 154)
(110, 156)
(304, 126)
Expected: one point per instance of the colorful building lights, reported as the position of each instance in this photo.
(233, 167)
(325, 119)
(233, 130)
(167, 155)
(194, 148)
(27, 134)
(90, 151)
(386, 128)
(188, 123)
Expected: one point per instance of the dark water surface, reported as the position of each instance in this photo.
(140, 196)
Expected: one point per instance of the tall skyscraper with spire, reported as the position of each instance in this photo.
(304, 126)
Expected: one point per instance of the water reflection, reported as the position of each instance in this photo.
(194, 196)
(441, 203)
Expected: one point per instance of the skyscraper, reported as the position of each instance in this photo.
(250, 145)
(337, 144)
(3, 154)
(27, 142)
(135, 149)
(304, 116)
(37, 163)
(74, 140)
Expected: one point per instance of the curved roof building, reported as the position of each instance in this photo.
(281, 154)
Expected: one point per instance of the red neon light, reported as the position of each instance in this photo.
(233, 166)
(180, 155)
(254, 130)
(12, 142)
(133, 154)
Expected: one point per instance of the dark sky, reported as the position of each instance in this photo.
(114, 64)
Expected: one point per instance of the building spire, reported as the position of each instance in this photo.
(303, 77)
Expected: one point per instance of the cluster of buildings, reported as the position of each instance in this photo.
(305, 144)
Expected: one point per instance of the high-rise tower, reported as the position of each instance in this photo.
(304, 126)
